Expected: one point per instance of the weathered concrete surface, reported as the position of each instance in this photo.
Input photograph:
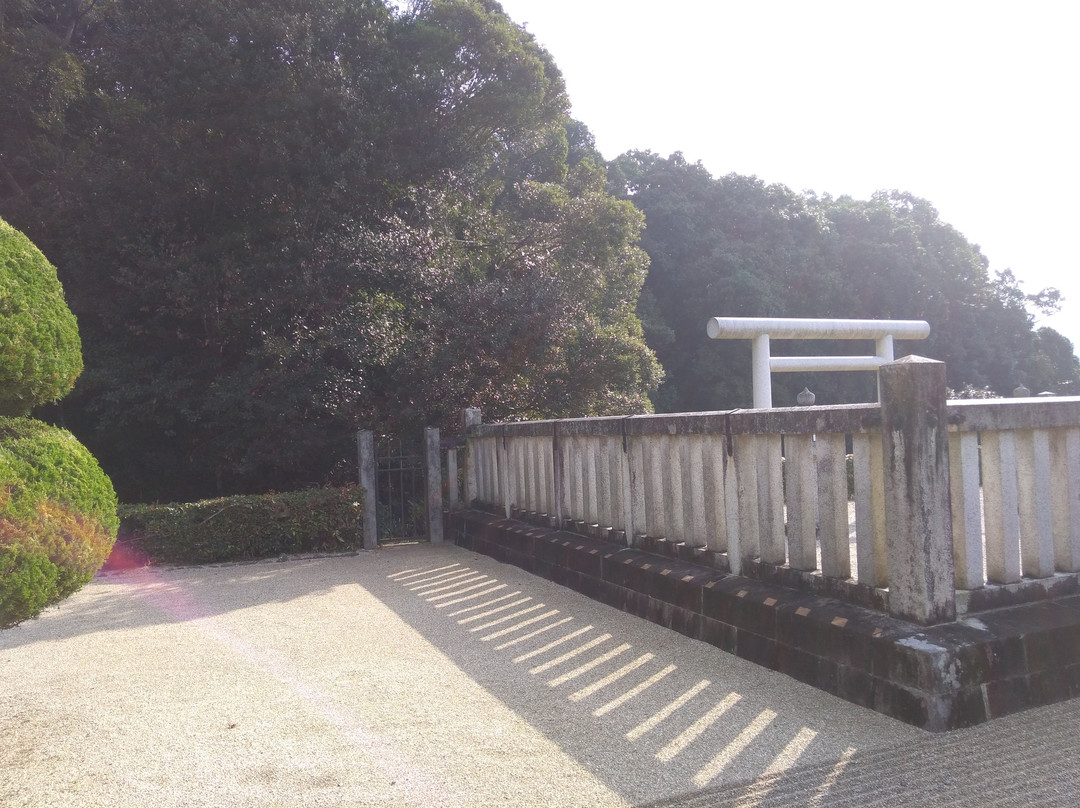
(918, 522)
(410, 676)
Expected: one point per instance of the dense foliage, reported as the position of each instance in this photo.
(40, 352)
(278, 221)
(734, 246)
(57, 517)
(244, 527)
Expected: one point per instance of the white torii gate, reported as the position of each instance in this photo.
(761, 329)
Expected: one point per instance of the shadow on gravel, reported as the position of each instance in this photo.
(659, 719)
(117, 599)
(1025, 760)
(647, 711)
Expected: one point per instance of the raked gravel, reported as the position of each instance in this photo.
(415, 675)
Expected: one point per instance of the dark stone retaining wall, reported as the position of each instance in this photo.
(937, 678)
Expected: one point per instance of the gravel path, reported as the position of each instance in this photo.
(416, 676)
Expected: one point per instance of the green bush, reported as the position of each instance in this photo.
(57, 517)
(245, 527)
(40, 351)
(28, 583)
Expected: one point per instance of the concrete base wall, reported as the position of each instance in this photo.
(938, 678)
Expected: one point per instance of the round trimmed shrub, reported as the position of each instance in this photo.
(40, 351)
(57, 517)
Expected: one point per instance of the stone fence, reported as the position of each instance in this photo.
(918, 507)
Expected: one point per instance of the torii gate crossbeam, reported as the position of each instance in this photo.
(761, 329)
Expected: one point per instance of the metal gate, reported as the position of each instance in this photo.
(401, 486)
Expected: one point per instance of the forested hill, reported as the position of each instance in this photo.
(280, 220)
(733, 246)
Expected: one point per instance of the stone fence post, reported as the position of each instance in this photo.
(433, 452)
(471, 417)
(918, 521)
(365, 450)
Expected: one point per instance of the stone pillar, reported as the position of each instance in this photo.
(365, 451)
(453, 498)
(800, 489)
(966, 494)
(434, 484)
(655, 480)
(559, 506)
(918, 520)
(1064, 456)
(697, 532)
(770, 470)
(539, 451)
(871, 552)
(1036, 511)
(832, 498)
(472, 457)
(504, 474)
(1001, 506)
(715, 495)
(673, 493)
(633, 476)
(744, 542)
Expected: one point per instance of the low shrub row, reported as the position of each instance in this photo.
(243, 527)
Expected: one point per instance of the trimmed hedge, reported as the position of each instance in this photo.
(28, 583)
(57, 517)
(40, 350)
(244, 527)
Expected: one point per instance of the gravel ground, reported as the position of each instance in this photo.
(432, 676)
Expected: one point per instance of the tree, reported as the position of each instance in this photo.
(1056, 368)
(42, 78)
(280, 221)
(896, 259)
(732, 246)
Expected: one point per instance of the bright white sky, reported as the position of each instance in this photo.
(974, 106)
